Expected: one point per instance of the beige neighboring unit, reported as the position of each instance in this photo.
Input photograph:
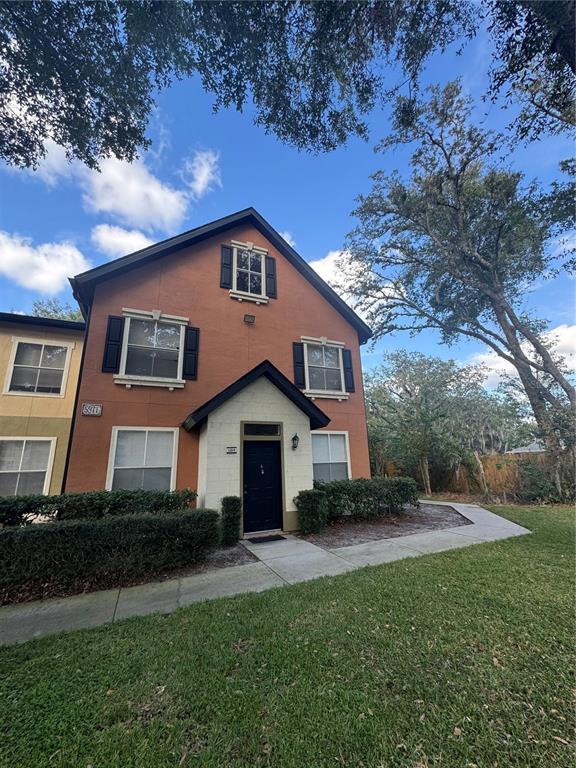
(39, 368)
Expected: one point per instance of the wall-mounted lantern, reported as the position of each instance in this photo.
(295, 441)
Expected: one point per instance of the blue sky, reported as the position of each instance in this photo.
(63, 219)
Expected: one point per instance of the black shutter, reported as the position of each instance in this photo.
(299, 375)
(190, 362)
(348, 370)
(226, 267)
(270, 277)
(113, 344)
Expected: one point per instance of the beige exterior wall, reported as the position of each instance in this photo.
(23, 415)
(260, 401)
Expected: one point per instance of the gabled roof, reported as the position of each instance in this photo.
(317, 417)
(43, 322)
(83, 285)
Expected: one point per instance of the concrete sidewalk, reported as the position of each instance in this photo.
(280, 563)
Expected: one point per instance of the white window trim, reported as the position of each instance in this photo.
(112, 452)
(327, 394)
(347, 441)
(258, 298)
(52, 441)
(47, 342)
(130, 380)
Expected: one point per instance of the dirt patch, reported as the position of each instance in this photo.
(347, 531)
(222, 557)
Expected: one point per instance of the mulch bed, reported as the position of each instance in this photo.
(347, 531)
(223, 557)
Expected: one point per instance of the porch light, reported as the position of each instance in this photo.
(295, 441)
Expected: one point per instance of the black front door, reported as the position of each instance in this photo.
(262, 485)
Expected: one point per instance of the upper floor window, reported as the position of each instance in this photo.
(38, 368)
(324, 367)
(25, 465)
(153, 349)
(248, 272)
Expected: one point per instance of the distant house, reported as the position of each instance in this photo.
(536, 446)
(219, 360)
(40, 363)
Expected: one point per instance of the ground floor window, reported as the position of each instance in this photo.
(330, 456)
(142, 459)
(25, 465)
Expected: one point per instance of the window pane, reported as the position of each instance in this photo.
(50, 381)
(165, 363)
(53, 357)
(333, 379)
(142, 332)
(139, 361)
(338, 448)
(127, 479)
(316, 378)
(30, 482)
(36, 454)
(10, 454)
(255, 262)
(168, 335)
(8, 482)
(159, 449)
(243, 259)
(156, 479)
(339, 471)
(24, 379)
(331, 357)
(261, 429)
(255, 284)
(322, 472)
(28, 354)
(130, 448)
(320, 449)
(315, 354)
(242, 281)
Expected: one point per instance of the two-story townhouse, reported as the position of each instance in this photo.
(39, 367)
(218, 360)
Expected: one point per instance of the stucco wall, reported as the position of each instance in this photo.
(260, 401)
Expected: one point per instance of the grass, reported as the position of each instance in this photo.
(461, 659)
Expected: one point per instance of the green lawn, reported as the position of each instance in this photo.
(461, 659)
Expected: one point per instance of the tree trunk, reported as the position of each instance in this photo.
(481, 475)
(425, 474)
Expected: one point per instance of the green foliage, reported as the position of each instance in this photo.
(230, 520)
(311, 70)
(536, 482)
(312, 510)
(364, 499)
(56, 309)
(100, 552)
(23, 510)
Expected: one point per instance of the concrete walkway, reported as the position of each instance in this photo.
(280, 563)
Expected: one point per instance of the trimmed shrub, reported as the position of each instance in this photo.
(92, 553)
(230, 520)
(363, 498)
(22, 510)
(312, 510)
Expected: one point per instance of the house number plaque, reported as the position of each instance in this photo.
(91, 409)
(231, 449)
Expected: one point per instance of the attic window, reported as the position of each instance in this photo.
(248, 272)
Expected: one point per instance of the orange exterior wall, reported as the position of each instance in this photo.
(188, 284)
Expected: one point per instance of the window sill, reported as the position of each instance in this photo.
(34, 394)
(137, 381)
(240, 296)
(313, 395)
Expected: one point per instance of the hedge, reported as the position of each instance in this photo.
(230, 521)
(362, 498)
(93, 553)
(312, 510)
(22, 510)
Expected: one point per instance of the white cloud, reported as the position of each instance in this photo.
(334, 268)
(563, 339)
(132, 194)
(327, 267)
(289, 239)
(116, 241)
(201, 172)
(44, 268)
